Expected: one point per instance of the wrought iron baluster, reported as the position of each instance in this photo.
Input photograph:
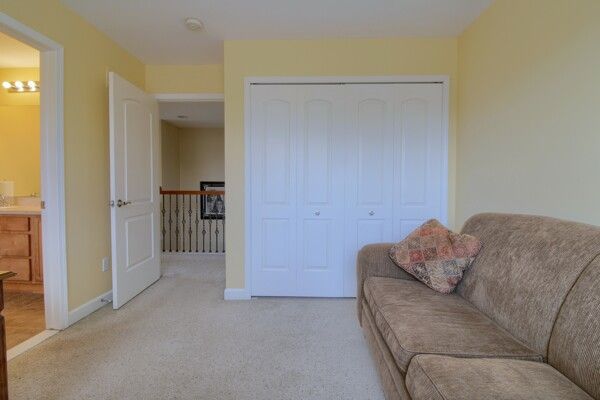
(170, 224)
(203, 200)
(162, 212)
(210, 221)
(197, 221)
(217, 233)
(177, 223)
(190, 223)
(183, 222)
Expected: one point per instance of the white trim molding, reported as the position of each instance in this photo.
(444, 80)
(29, 344)
(52, 167)
(86, 309)
(236, 294)
(189, 97)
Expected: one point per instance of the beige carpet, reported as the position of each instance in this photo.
(180, 340)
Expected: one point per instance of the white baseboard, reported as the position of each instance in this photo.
(29, 344)
(236, 294)
(86, 309)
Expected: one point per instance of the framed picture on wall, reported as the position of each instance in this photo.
(212, 206)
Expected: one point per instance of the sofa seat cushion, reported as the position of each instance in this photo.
(414, 319)
(432, 377)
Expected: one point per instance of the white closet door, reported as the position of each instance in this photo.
(274, 185)
(418, 162)
(320, 183)
(336, 167)
(369, 172)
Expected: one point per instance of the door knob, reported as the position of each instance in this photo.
(121, 203)
(317, 213)
(371, 213)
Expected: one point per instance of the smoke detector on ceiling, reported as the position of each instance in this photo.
(194, 24)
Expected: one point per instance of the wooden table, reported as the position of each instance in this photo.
(3, 364)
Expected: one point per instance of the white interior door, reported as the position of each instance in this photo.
(320, 210)
(274, 190)
(336, 167)
(134, 167)
(418, 165)
(369, 176)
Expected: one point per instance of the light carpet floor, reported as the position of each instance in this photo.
(180, 340)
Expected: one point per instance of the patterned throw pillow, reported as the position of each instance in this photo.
(435, 255)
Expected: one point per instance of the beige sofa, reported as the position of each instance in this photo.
(524, 323)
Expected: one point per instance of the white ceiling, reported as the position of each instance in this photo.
(15, 54)
(198, 114)
(153, 30)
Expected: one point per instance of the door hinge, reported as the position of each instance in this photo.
(43, 205)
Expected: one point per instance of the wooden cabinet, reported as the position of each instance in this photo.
(4, 275)
(20, 252)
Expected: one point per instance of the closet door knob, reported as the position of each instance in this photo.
(371, 213)
(317, 213)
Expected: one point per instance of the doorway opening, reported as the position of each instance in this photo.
(193, 176)
(33, 210)
(20, 203)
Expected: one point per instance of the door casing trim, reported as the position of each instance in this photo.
(54, 246)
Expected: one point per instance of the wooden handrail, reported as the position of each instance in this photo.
(196, 192)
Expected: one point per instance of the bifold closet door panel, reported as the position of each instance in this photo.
(336, 167)
(274, 190)
(418, 156)
(320, 183)
(369, 171)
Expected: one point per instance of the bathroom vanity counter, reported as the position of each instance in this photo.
(21, 210)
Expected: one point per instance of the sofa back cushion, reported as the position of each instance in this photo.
(525, 269)
(574, 346)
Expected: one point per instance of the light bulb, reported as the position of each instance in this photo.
(19, 84)
(31, 85)
(6, 85)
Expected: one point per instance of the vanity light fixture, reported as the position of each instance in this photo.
(21, 87)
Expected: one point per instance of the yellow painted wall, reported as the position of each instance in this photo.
(201, 156)
(191, 155)
(169, 147)
(20, 133)
(20, 148)
(529, 120)
(184, 78)
(89, 55)
(408, 56)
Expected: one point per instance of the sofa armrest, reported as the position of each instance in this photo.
(374, 260)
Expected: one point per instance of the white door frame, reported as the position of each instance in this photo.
(189, 97)
(52, 168)
(245, 292)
